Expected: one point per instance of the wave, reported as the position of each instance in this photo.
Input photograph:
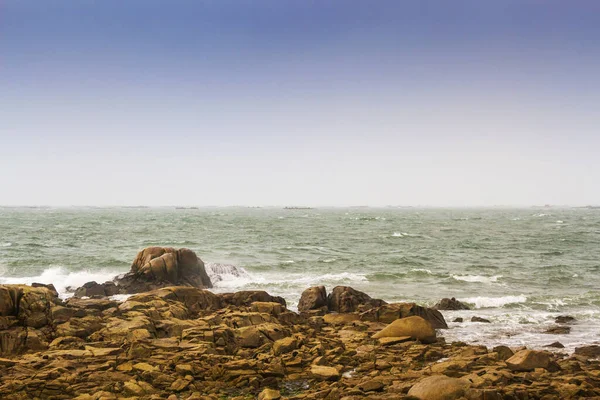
(64, 280)
(6, 244)
(477, 278)
(409, 235)
(494, 302)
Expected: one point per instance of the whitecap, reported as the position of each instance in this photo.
(494, 302)
(424, 270)
(477, 278)
(63, 279)
(6, 244)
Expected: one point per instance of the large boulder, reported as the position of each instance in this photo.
(30, 305)
(439, 387)
(528, 360)
(391, 312)
(415, 327)
(154, 268)
(450, 304)
(344, 299)
(313, 298)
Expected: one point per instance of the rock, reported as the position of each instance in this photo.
(528, 360)
(439, 387)
(504, 352)
(388, 313)
(324, 373)
(556, 345)
(371, 386)
(340, 319)
(9, 298)
(344, 299)
(313, 298)
(156, 267)
(388, 341)
(479, 319)
(284, 345)
(34, 306)
(247, 297)
(592, 351)
(450, 304)
(90, 289)
(564, 319)
(415, 327)
(458, 319)
(558, 330)
(269, 394)
(49, 286)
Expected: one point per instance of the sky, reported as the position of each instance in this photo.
(299, 102)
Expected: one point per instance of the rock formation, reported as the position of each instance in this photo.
(153, 268)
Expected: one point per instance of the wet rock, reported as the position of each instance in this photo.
(415, 327)
(439, 387)
(450, 304)
(556, 345)
(479, 319)
(592, 351)
(458, 319)
(564, 319)
(94, 289)
(558, 330)
(344, 299)
(313, 298)
(49, 286)
(528, 360)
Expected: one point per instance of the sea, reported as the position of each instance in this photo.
(518, 268)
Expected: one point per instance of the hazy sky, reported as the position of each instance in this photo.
(449, 103)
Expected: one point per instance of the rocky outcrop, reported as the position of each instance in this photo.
(182, 342)
(450, 304)
(153, 268)
(313, 298)
(344, 299)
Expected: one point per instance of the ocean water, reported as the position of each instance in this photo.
(519, 268)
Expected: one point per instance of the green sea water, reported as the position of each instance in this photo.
(517, 267)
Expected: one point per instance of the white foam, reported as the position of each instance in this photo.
(408, 235)
(6, 244)
(62, 279)
(489, 302)
(421, 270)
(477, 278)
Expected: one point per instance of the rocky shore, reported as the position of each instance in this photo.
(173, 339)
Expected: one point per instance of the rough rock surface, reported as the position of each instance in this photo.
(187, 343)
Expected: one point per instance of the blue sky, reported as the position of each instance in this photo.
(299, 102)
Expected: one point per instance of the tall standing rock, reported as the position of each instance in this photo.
(313, 298)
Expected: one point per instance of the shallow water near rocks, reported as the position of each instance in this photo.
(519, 268)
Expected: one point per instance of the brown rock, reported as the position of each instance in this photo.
(284, 345)
(528, 360)
(556, 345)
(247, 297)
(324, 373)
(592, 351)
(564, 319)
(371, 386)
(313, 298)
(558, 330)
(269, 394)
(415, 327)
(450, 304)
(439, 387)
(479, 319)
(390, 312)
(504, 352)
(344, 299)
(340, 319)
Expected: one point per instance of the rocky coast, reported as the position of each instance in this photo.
(175, 339)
